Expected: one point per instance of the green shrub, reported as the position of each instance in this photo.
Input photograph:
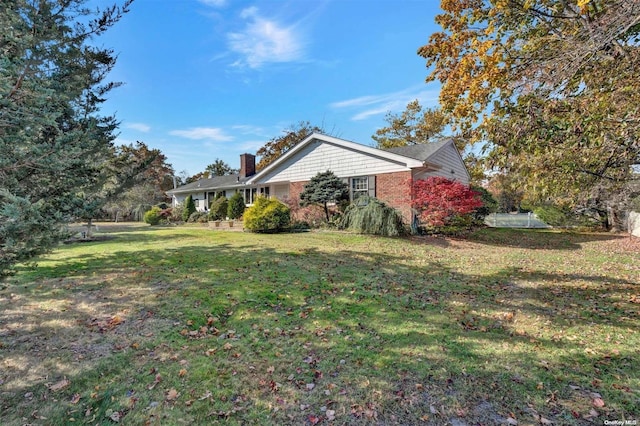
(189, 208)
(489, 205)
(267, 215)
(198, 217)
(368, 215)
(236, 206)
(218, 208)
(553, 216)
(153, 216)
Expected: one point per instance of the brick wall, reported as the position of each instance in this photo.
(394, 189)
(295, 189)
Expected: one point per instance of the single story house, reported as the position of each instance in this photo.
(385, 174)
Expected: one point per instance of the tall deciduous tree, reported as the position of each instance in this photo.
(140, 177)
(414, 125)
(418, 125)
(324, 188)
(52, 139)
(550, 83)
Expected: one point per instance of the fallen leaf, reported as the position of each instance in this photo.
(60, 385)
(598, 402)
(182, 372)
(512, 421)
(76, 398)
(172, 394)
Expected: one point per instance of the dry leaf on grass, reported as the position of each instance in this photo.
(172, 394)
(62, 384)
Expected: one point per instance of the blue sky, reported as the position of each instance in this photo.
(207, 79)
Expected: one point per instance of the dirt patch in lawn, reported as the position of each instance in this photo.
(64, 326)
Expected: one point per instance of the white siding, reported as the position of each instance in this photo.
(449, 160)
(178, 200)
(321, 156)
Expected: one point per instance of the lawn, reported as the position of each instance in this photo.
(169, 326)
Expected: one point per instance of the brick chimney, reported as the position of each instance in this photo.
(247, 165)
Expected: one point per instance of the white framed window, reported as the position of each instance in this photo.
(359, 187)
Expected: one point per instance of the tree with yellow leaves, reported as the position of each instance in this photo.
(551, 84)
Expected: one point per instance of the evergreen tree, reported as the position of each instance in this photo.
(236, 206)
(53, 141)
(324, 188)
(220, 168)
(189, 208)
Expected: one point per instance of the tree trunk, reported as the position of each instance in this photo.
(89, 223)
(613, 219)
(326, 211)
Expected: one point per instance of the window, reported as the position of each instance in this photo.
(359, 187)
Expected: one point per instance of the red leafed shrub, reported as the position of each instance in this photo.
(440, 200)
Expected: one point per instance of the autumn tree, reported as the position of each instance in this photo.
(415, 125)
(439, 200)
(324, 188)
(418, 125)
(144, 175)
(550, 83)
(54, 142)
(279, 145)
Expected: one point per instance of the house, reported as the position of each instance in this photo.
(385, 174)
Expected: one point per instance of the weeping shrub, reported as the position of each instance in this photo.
(368, 215)
(267, 215)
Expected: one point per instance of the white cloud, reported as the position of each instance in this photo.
(203, 133)
(141, 127)
(265, 41)
(366, 106)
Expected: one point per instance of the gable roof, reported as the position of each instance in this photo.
(409, 162)
(420, 151)
(216, 182)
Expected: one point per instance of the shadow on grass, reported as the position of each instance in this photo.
(394, 323)
(536, 239)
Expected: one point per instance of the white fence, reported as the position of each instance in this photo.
(514, 220)
(634, 223)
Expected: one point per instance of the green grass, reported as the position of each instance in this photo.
(187, 325)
